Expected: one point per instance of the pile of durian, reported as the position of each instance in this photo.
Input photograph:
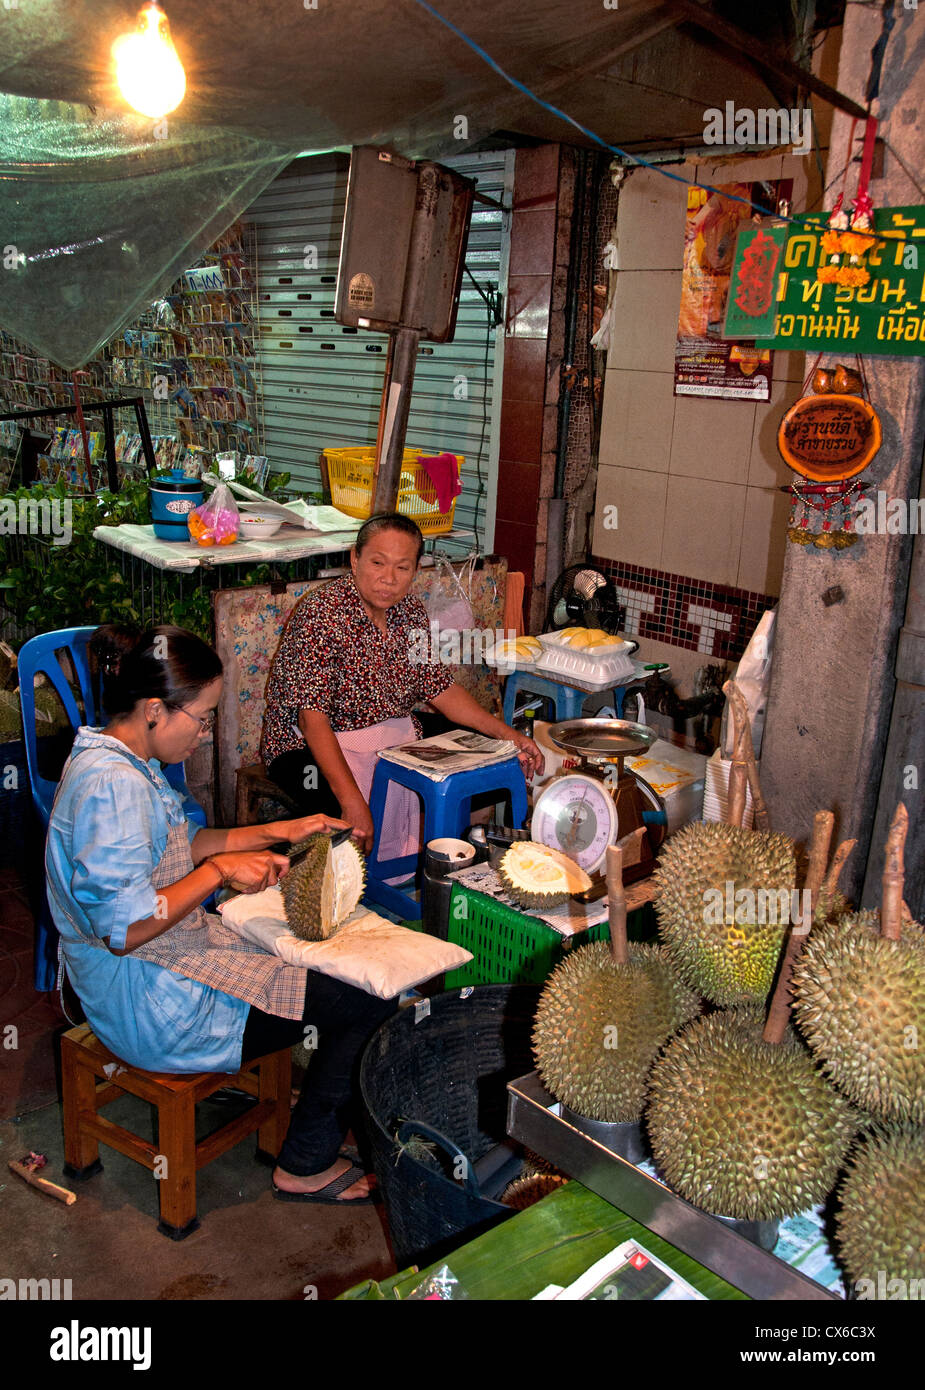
(748, 1114)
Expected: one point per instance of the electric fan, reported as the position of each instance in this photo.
(583, 597)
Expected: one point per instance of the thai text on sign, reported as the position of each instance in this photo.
(885, 317)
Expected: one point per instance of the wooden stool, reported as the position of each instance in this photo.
(87, 1087)
(252, 783)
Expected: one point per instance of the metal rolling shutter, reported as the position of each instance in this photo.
(321, 382)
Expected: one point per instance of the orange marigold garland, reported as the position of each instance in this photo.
(842, 240)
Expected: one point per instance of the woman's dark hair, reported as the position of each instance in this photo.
(389, 521)
(163, 663)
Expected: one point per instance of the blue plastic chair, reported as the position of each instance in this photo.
(567, 700)
(39, 655)
(446, 812)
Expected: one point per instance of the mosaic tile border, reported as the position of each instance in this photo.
(714, 619)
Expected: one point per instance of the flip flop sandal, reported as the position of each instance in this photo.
(329, 1195)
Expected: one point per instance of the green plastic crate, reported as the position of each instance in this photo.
(507, 946)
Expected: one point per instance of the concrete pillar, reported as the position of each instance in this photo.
(835, 654)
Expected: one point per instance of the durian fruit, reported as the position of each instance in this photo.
(859, 1000)
(880, 1226)
(599, 1025)
(526, 1191)
(540, 878)
(745, 1128)
(566, 633)
(726, 943)
(527, 648)
(322, 890)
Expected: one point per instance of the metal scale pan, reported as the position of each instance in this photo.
(582, 810)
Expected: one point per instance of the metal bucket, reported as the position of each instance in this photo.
(623, 1137)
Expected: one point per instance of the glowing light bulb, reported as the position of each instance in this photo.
(149, 73)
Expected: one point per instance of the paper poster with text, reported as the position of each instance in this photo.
(706, 364)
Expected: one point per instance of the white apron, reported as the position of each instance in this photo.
(400, 834)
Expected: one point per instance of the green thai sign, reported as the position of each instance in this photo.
(776, 297)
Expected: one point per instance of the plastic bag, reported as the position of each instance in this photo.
(753, 677)
(216, 521)
(448, 603)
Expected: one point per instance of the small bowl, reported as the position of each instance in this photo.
(258, 528)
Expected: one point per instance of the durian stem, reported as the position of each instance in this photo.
(744, 750)
(891, 903)
(616, 906)
(779, 1013)
(835, 868)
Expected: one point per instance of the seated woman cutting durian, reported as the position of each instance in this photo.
(164, 984)
(344, 683)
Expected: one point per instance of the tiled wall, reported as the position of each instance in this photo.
(701, 523)
(714, 620)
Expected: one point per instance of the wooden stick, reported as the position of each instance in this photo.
(28, 1175)
(616, 906)
(779, 1013)
(741, 722)
(891, 902)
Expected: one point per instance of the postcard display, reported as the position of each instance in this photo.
(191, 355)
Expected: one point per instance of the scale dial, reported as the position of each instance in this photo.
(575, 814)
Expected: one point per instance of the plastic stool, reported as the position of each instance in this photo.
(446, 806)
(567, 700)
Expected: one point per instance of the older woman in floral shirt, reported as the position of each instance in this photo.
(345, 681)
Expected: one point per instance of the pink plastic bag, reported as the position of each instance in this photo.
(216, 521)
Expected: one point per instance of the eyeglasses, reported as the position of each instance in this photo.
(206, 723)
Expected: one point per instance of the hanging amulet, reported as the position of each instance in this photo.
(798, 536)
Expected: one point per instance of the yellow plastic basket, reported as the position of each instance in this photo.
(350, 473)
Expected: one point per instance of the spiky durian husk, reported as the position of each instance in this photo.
(527, 1191)
(859, 1001)
(745, 1128)
(729, 962)
(308, 893)
(880, 1224)
(599, 1025)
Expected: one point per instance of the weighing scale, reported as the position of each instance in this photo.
(596, 802)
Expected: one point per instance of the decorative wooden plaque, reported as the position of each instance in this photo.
(829, 437)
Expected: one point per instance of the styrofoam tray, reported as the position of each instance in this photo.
(609, 666)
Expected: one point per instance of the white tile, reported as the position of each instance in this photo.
(637, 420)
(766, 468)
(631, 530)
(650, 220)
(645, 324)
(764, 540)
(712, 438)
(703, 529)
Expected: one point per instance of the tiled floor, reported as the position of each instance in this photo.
(107, 1245)
(28, 1020)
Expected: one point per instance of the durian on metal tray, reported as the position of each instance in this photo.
(533, 1122)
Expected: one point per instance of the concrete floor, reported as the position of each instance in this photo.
(249, 1246)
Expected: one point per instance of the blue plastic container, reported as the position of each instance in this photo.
(173, 497)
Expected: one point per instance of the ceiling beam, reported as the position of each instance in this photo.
(766, 58)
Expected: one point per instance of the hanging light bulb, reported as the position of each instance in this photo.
(149, 73)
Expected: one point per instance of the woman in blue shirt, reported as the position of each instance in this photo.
(164, 985)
